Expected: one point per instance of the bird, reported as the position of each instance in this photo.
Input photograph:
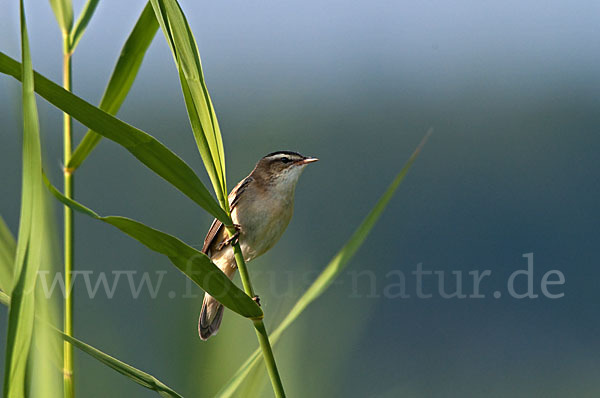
(261, 207)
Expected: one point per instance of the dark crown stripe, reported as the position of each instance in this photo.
(284, 153)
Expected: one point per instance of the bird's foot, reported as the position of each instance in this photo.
(233, 239)
(256, 300)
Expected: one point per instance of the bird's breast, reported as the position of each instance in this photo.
(262, 224)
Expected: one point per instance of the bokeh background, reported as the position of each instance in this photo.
(511, 89)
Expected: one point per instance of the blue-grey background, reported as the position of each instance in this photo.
(512, 91)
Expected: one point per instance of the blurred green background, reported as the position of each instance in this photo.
(511, 89)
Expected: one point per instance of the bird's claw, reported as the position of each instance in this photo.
(256, 299)
(233, 239)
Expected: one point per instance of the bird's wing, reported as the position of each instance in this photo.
(216, 226)
(214, 229)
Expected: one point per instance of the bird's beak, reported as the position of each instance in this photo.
(308, 160)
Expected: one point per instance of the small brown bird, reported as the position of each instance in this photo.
(261, 206)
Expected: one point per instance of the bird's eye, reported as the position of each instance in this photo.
(285, 160)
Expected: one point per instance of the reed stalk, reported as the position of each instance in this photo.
(69, 390)
(259, 326)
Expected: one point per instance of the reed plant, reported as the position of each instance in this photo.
(20, 258)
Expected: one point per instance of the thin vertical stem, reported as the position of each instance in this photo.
(69, 391)
(259, 326)
(269, 357)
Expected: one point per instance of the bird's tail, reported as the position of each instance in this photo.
(211, 316)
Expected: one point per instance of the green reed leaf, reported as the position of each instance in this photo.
(138, 376)
(194, 264)
(63, 11)
(327, 276)
(28, 250)
(203, 118)
(8, 248)
(142, 378)
(4, 299)
(82, 23)
(121, 80)
(143, 146)
(45, 363)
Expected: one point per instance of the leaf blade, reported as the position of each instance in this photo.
(29, 243)
(46, 356)
(82, 23)
(140, 377)
(201, 112)
(121, 80)
(63, 11)
(143, 146)
(194, 264)
(8, 247)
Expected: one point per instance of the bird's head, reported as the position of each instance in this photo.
(282, 168)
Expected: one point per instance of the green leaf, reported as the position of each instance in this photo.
(4, 299)
(122, 78)
(8, 248)
(45, 363)
(194, 264)
(28, 250)
(63, 11)
(140, 377)
(143, 146)
(82, 22)
(327, 276)
(203, 118)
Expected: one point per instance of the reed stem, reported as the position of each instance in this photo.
(69, 390)
(259, 326)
